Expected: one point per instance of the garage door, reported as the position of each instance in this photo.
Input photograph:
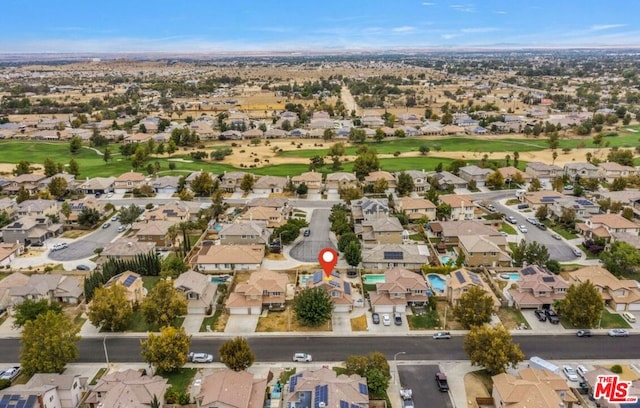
(239, 310)
(634, 306)
(383, 309)
(620, 307)
(401, 308)
(256, 310)
(342, 309)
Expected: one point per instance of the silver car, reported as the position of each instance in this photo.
(200, 358)
(302, 357)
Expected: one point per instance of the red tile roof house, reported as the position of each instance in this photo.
(264, 289)
(537, 288)
(126, 182)
(213, 258)
(199, 291)
(327, 388)
(401, 288)
(603, 225)
(130, 388)
(231, 389)
(338, 289)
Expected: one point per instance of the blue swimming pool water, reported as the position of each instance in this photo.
(220, 279)
(511, 276)
(217, 227)
(445, 259)
(373, 279)
(304, 279)
(437, 282)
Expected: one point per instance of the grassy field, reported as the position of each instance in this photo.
(179, 379)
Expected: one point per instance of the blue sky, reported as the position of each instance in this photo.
(264, 25)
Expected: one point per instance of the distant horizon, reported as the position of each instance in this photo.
(285, 26)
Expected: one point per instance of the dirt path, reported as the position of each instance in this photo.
(348, 101)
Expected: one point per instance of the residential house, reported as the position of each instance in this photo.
(244, 233)
(80, 204)
(230, 181)
(482, 250)
(59, 288)
(97, 185)
(381, 230)
(416, 208)
(157, 232)
(401, 288)
(8, 252)
(368, 209)
(617, 294)
(371, 119)
(530, 386)
(37, 208)
(420, 180)
(537, 288)
(238, 120)
(279, 203)
(537, 199)
(337, 288)
(603, 225)
(14, 279)
(543, 171)
(270, 184)
(510, 173)
(70, 388)
(275, 133)
(175, 212)
(450, 231)
(230, 135)
(28, 230)
(199, 291)
(27, 181)
(373, 177)
(461, 280)
(126, 182)
(268, 216)
(327, 388)
(583, 208)
(477, 174)
(610, 171)
(311, 179)
(127, 249)
(8, 206)
(576, 171)
(69, 178)
(388, 256)
(212, 258)
(445, 180)
(431, 128)
(133, 284)
(265, 289)
(167, 185)
(130, 388)
(340, 180)
(410, 119)
(231, 389)
(21, 396)
(462, 207)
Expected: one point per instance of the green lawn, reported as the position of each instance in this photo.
(210, 321)
(508, 229)
(417, 237)
(179, 379)
(286, 374)
(560, 230)
(98, 376)
(613, 321)
(428, 320)
(139, 325)
(149, 282)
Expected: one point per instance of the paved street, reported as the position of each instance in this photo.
(308, 248)
(84, 247)
(421, 380)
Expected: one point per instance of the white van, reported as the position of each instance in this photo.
(631, 318)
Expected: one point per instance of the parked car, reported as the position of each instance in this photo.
(106, 225)
(442, 335)
(200, 357)
(122, 228)
(556, 236)
(583, 333)
(115, 218)
(511, 219)
(570, 372)
(523, 228)
(618, 333)
(376, 318)
(10, 373)
(554, 319)
(532, 220)
(37, 244)
(83, 268)
(540, 315)
(523, 206)
(59, 246)
(307, 232)
(441, 380)
(386, 320)
(397, 319)
(577, 252)
(491, 208)
(302, 357)
(582, 370)
(541, 226)
(550, 313)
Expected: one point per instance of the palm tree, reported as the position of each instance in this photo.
(154, 402)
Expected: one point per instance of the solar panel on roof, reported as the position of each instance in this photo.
(363, 389)
(292, 382)
(317, 277)
(393, 255)
(529, 270)
(334, 283)
(321, 395)
(336, 274)
(474, 278)
(548, 279)
(344, 404)
(347, 288)
(129, 281)
(460, 277)
(582, 201)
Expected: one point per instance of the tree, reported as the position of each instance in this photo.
(495, 180)
(405, 184)
(424, 150)
(380, 186)
(202, 185)
(75, 144)
(622, 259)
(516, 158)
(88, 217)
(247, 182)
(58, 186)
(349, 194)
(582, 306)
(542, 213)
(138, 158)
(74, 167)
(50, 167)
(236, 354)
(535, 185)
(48, 343)
(163, 304)
(337, 149)
(28, 310)
(618, 184)
(493, 348)
(313, 306)
(128, 215)
(23, 167)
(106, 156)
(302, 189)
(366, 162)
(379, 135)
(316, 162)
(557, 184)
(474, 308)
(110, 309)
(353, 253)
(374, 367)
(23, 195)
(168, 350)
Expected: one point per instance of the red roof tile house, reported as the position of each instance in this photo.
(264, 289)
(401, 288)
(126, 182)
(336, 287)
(130, 388)
(231, 389)
(618, 294)
(537, 288)
(211, 258)
(327, 389)
(531, 387)
(603, 225)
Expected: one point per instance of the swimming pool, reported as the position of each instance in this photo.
(373, 279)
(436, 282)
(217, 227)
(510, 276)
(220, 278)
(445, 259)
(304, 279)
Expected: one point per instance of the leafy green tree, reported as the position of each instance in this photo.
(542, 213)
(313, 306)
(302, 189)
(88, 217)
(622, 259)
(73, 168)
(23, 167)
(379, 135)
(495, 180)
(75, 144)
(202, 185)
(168, 350)
(23, 195)
(618, 184)
(474, 308)
(110, 309)
(366, 162)
(29, 310)
(50, 167)
(163, 304)
(374, 367)
(128, 215)
(443, 211)
(349, 194)
(424, 150)
(173, 266)
(58, 186)
(5, 219)
(106, 155)
(493, 348)
(337, 149)
(247, 182)
(357, 135)
(48, 343)
(380, 186)
(353, 253)
(290, 231)
(533, 253)
(138, 158)
(535, 185)
(236, 354)
(405, 184)
(582, 306)
(345, 239)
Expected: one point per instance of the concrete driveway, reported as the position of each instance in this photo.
(539, 326)
(241, 324)
(341, 323)
(192, 323)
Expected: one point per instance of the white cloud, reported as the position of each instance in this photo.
(449, 36)
(428, 4)
(403, 29)
(601, 27)
(499, 12)
(479, 30)
(464, 8)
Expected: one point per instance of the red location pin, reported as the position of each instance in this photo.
(328, 258)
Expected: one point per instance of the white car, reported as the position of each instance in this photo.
(302, 357)
(200, 358)
(570, 372)
(10, 374)
(582, 370)
(523, 228)
(386, 320)
(59, 246)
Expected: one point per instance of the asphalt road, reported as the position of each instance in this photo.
(84, 247)
(281, 348)
(421, 380)
(307, 249)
